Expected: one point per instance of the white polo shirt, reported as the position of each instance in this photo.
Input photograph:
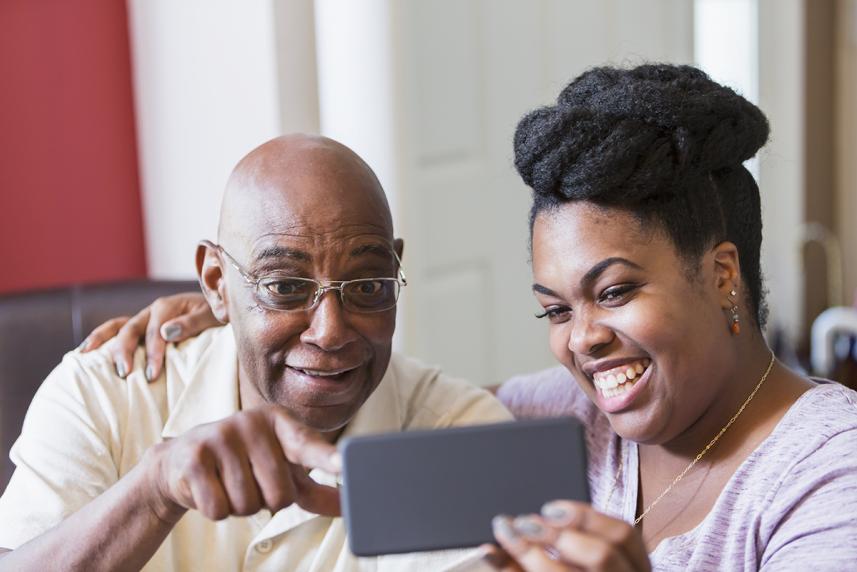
(86, 428)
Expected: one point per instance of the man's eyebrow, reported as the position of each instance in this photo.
(277, 251)
(591, 275)
(381, 250)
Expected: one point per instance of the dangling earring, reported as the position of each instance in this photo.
(735, 326)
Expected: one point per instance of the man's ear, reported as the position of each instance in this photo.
(727, 272)
(209, 269)
(399, 246)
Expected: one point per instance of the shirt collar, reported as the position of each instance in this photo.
(209, 375)
(383, 412)
(211, 390)
(211, 393)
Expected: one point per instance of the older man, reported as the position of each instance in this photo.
(225, 461)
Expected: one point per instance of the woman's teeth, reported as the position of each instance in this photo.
(619, 380)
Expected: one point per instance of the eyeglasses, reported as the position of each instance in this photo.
(293, 294)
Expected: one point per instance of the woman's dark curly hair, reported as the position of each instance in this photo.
(662, 142)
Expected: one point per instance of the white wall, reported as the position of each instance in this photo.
(207, 90)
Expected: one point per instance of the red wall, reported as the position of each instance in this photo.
(69, 191)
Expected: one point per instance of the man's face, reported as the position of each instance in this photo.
(320, 364)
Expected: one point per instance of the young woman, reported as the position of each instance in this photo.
(704, 452)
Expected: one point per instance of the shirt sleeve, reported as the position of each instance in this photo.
(64, 457)
(434, 400)
(816, 511)
(458, 403)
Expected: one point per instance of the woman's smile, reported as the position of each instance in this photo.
(617, 389)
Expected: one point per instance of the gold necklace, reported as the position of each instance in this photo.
(699, 456)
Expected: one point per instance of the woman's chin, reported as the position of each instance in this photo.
(636, 426)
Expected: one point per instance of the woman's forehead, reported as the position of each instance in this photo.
(582, 225)
(575, 236)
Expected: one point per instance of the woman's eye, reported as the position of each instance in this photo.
(556, 314)
(616, 293)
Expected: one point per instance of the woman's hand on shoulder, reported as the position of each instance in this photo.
(170, 319)
(567, 536)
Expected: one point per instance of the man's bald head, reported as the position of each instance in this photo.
(296, 208)
(296, 175)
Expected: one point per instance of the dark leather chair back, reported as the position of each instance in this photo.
(38, 328)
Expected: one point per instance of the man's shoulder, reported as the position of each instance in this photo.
(431, 398)
(96, 368)
(185, 359)
(92, 376)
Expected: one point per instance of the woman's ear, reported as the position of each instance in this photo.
(727, 272)
(209, 269)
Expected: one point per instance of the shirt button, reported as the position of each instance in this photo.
(264, 546)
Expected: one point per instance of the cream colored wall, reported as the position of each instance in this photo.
(846, 140)
(211, 81)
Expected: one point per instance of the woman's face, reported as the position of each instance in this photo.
(643, 337)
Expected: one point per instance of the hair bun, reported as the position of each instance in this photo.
(618, 134)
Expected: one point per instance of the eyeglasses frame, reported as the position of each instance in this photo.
(321, 286)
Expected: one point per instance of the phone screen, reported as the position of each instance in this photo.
(439, 489)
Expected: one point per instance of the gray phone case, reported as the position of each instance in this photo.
(433, 490)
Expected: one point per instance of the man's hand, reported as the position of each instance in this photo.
(255, 459)
(169, 319)
(567, 536)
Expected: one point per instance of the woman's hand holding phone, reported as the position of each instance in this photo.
(567, 535)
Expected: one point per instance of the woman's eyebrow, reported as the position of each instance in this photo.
(593, 273)
(538, 288)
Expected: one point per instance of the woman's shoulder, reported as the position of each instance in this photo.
(818, 428)
(824, 410)
(811, 506)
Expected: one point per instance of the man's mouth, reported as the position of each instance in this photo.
(620, 380)
(323, 386)
(326, 372)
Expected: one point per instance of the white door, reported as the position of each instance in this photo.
(464, 73)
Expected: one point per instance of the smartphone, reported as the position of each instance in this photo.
(439, 489)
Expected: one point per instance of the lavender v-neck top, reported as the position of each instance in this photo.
(791, 505)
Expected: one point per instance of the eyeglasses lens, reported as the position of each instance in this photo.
(365, 295)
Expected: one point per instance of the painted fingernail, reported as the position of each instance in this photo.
(83, 345)
(171, 332)
(150, 373)
(559, 513)
(528, 526)
(502, 526)
(121, 370)
(554, 512)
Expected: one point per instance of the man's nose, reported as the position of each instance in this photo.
(587, 334)
(328, 324)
